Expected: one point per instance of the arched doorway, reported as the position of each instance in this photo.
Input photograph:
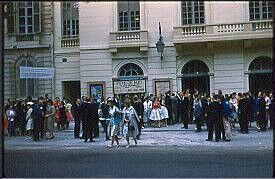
(195, 77)
(130, 81)
(260, 75)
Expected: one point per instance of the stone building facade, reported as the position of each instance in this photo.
(27, 42)
(108, 48)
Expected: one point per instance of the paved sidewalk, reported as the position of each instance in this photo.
(172, 136)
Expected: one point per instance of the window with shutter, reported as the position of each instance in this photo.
(10, 17)
(29, 20)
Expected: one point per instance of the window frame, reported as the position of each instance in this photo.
(36, 28)
(261, 13)
(70, 22)
(131, 15)
(188, 9)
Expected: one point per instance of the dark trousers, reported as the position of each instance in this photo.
(83, 127)
(210, 131)
(198, 124)
(185, 120)
(262, 122)
(76, 127)
(36, 130)
(11, 128)
(217, 131)
(139, 129)
(96, 130)
(245, 125)
(88, 132)
(42, 130)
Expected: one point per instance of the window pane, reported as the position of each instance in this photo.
(29, 11)
(21, 21)
(30, 29)
(21, 30)
(29, 20)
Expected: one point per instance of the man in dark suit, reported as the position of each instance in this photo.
(185, 111)
(76, 113)
(243, 113)
(215, 119)
(91, 120)
(174, 101)
(138, 106)
(38, 120)
(83, 114)
(168, 105)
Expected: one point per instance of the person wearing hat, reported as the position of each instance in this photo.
(29, 119)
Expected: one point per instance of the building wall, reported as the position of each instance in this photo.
(69, 70)
(227, 60)
(39, 51)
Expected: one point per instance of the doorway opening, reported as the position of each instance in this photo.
(195, 77)
(260, 75)
(71, 90)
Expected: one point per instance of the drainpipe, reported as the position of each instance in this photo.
(52, 51)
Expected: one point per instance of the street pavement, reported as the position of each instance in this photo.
(161, 152)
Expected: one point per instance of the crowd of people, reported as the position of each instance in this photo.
(36, 118)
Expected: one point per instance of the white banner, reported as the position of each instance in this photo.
(37, 73)
(131, 86)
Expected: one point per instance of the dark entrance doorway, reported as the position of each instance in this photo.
(71, 90)
(260, 75)
(195, 77)
(196, 83)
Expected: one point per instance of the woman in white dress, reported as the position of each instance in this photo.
(164, 114)
(155, 114)
(131, 120)
(29, 119)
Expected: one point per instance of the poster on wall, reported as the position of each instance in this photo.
(161, 87)
(96, 91)
(130, 86)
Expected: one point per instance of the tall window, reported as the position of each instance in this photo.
(70, 17)
(130, 69)
(260, 10)
(23, 18)
(29, 17)
(128, 15)
(192, 12)
(26, 86)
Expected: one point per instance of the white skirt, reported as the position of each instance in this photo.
(29, 125)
